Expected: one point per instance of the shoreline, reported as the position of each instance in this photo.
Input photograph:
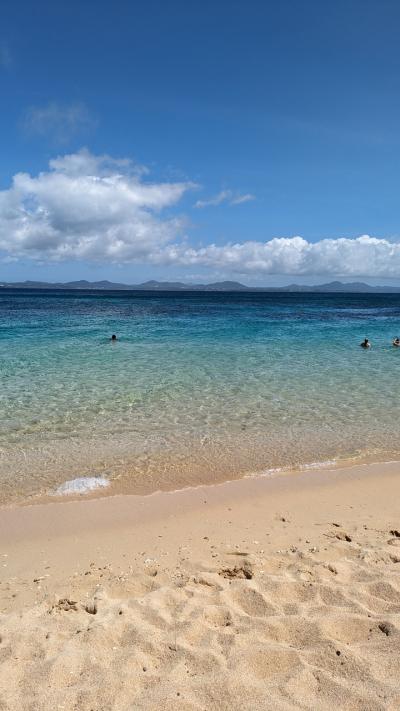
(94, 511)
(99, 484)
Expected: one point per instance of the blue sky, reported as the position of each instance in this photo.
(255, 121)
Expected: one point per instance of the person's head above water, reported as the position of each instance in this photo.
(365, 343)
(113, 337)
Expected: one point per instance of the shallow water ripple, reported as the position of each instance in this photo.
(223, 382)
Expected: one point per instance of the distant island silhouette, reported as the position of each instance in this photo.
(233, 286)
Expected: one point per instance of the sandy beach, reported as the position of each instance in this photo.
(270, 593)
(199, 356)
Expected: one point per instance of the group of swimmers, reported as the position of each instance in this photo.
(367, 344)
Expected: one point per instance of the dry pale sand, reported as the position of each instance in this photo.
(259, 594)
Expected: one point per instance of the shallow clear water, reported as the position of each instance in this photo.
(198, 386)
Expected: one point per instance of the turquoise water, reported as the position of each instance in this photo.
(198, 387)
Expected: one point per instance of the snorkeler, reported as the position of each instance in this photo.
(366, 343)
(396, 342)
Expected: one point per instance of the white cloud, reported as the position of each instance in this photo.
(58, 122)
(242, 198)
(88, 207)
(223, 196)
(295, 256)
(227, 196)
(104, 210)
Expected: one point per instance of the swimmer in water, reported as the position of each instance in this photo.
(113, 337)
(396, 342)
(366, 343)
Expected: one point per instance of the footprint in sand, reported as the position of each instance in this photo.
(385, 591)
(294, 631)
(267, 663)
(290, 591)
(252, 602)
(348, 629)
(217, 616)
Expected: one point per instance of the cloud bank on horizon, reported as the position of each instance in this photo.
(102, 210)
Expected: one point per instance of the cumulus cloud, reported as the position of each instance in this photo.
(88, 207)
(227, 196)
(295, 256)
(106, 210)
(59, 122)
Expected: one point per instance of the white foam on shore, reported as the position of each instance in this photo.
(328, 464)
(264, 472)
(319, 465)
(82, 485)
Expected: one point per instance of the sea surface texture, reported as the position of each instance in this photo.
(199, 387)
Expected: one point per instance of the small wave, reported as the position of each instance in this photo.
(319, 465)
(82, 485)
(300, 467)
(264, 472)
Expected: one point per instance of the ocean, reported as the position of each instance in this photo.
(199, 387)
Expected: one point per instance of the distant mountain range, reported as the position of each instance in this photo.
(333, 286)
